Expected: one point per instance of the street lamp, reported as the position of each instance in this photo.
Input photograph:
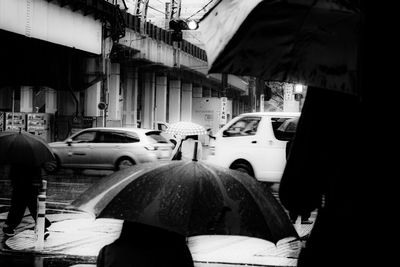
(192, 25)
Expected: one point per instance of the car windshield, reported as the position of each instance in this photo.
(284, 128)
(244, 126)
(157, 137)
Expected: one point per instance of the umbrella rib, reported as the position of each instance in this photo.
(218, 180)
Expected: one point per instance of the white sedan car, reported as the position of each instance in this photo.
(255, 143)
(111, 148)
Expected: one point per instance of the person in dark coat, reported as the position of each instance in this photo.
(143, 245)
(26, 181)
(324, 171)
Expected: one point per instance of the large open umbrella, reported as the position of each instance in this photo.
(190, 198)
(313, 42)
(24, 148)
(184, 128)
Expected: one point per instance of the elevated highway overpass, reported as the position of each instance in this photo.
(83, 52)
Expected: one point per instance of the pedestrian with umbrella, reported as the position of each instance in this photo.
(189, 146)
(189, 198)
(142, 245)
(318, 43)
(25, 154)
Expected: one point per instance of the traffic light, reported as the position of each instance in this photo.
(177, 25)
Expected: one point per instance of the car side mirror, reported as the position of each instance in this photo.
(225, 133)
(69, 141)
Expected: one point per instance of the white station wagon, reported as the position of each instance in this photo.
(255, 143)
(111, 148)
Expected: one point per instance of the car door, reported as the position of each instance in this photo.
(238, 141)
(79, 151)
(109, 146)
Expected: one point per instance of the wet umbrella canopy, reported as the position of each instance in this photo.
(24, 148)
(313, 42)
(191, 198)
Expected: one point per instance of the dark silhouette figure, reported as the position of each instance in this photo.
(189, 149)
(324, 171)
(26, 181)
(142, 245)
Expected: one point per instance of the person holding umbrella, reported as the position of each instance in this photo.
(26, 154)
(26, 181)
(186, 147)
(321, 44)
(191, 148)
(144, 245)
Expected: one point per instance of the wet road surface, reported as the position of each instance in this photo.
(63, 187)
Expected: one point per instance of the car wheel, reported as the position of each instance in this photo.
(243, 166)
(124, 163)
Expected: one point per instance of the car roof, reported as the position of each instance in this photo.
(127, 129)
(272, 114)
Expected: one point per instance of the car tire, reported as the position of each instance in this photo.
(243, 166)
(124, 163)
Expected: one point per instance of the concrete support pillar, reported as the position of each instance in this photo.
(114, 107)
(130, 91)
(26, 99)
(51, 100)
(92, 95)
(186, 108)
(161, 98)
(197, 91)
(174, 101)
(92, 99)
(148, 100)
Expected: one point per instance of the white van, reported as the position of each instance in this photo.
(255, 143)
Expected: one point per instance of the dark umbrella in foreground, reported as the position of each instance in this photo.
(190, 198)
(313, 42)
(24, 148)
